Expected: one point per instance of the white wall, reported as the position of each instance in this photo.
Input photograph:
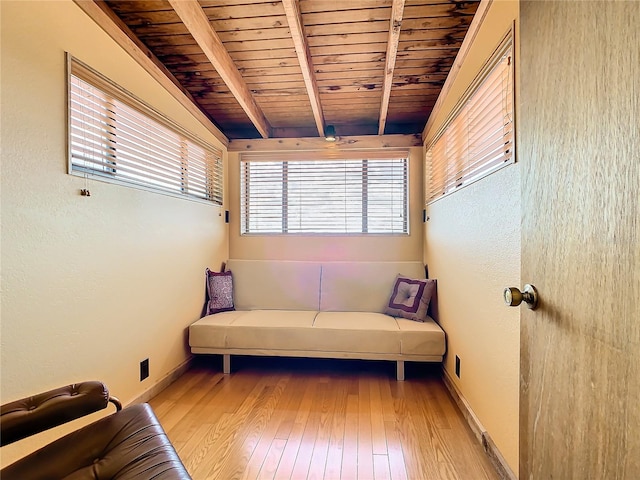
(472, 246)
(90, 285)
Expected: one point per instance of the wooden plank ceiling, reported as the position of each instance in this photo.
(288, 68)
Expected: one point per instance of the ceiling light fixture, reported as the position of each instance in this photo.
(330, 133)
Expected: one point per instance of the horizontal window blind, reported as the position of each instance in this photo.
(116, 137)
(331, 196)
(478, 138)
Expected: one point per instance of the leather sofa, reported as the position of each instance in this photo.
(128, 444)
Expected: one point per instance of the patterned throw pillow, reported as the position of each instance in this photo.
(220, 291)
(410, 298)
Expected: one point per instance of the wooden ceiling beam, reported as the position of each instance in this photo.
(106, 19)
(313, 143)
(294, 18)
(395, 23)
(197, 23)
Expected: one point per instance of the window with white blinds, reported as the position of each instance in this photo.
(478, 137)
(116, 137)
(325, 196)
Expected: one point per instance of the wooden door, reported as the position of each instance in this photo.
(579, 148)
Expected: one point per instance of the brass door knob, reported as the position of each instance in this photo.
(514, 297)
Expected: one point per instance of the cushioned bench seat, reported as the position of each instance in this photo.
(280, 331)
(312, 309)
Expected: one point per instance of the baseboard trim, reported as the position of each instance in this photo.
(163, 383)
(496, 458)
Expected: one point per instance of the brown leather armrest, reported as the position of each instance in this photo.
(31, 415)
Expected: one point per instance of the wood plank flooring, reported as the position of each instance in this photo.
(318, 419)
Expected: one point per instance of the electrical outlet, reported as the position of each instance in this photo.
(144, 369)
(457, 366)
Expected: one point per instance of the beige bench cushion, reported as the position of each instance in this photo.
(421, 338)
(256, 329)
(362, 286)
(348, 332)
(211, 331)
(275, 285)
(361, 332)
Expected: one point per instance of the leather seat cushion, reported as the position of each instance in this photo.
(125, 445)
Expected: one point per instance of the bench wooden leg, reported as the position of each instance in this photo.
(400, 370)
(226, 363)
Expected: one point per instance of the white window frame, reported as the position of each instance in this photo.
(452, 158)
(277, 167)
(115, 137)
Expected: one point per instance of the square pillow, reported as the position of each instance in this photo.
(220, 292)
(410, 298)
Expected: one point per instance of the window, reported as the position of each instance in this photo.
(478, 137)
(115, 137)
(324, 196)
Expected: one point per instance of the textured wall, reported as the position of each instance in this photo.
(472, 246)
(90, 286)
(330, 247)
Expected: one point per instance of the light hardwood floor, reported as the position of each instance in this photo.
(318, 419)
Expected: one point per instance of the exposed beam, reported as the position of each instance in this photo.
(197, 23)
(314, 143)
(468, 41)
(294, 18)
(100, 13)
(395, 23)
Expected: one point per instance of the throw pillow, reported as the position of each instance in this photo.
(220, 292)
(410, 298)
